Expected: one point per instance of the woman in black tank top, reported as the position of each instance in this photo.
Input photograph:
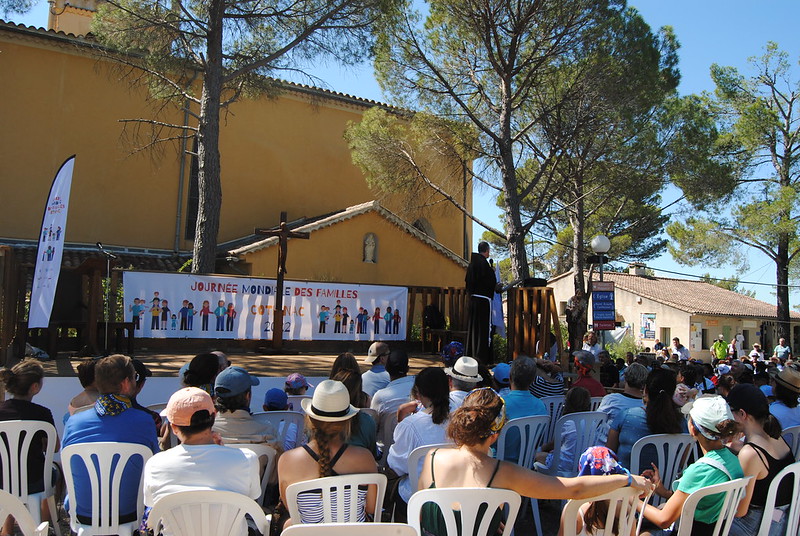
(763, 456)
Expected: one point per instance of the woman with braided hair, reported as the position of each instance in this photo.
(474, 427)
(328, 416)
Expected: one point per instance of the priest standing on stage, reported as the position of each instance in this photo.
(481, 286)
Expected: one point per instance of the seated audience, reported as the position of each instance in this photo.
(112, 419)
(142, 373)
(376, 377)
(609, 373)
(200, 462)
(23, 382)
(725, 382)
(389, 399)
(584, 363)
(363, 429)
(659, 415)
(276, 400)
(296, 385)
(710, 422)
(613, 404)
(520, 402)
(88, 396)
(328, 416)
(201, 372)
(501, 378)
(763, 456)
(786, 390)
(348, 362)
(474, 427)
(234, 422)
(451, 352)
(577, 399)
(548, 381)
(425, 427)
(463, 377)
(599, 461)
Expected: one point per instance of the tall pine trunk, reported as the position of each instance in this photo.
(209, 172)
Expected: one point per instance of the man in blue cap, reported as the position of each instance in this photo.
(234, 421)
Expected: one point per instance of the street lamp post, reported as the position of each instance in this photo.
(600, 245)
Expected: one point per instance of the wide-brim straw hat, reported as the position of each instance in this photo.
(789, 377)
(465, 369)
(330, 403)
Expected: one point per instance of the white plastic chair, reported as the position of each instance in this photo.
(792, 436)
(206, 513)
(98, 459)
(733, 490)
(587, 428)
(350, 529)
(672, 456)
(339, 496)
(12, 506)
(471, 502)
(587, 424)
(294, 402)
(415, 462)
(15, 441)
(158, 408)
(554, 405)
(623, 499)
(793, 513)
(281, 421)
(530, 431)
(260, 450)
(595, 402)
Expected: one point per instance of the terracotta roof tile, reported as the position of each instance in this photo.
(694, 297)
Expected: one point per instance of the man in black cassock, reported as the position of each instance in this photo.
(481, 285)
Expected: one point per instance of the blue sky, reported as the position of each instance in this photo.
(726, 32)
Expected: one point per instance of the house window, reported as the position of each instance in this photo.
(704, 342)
(665, 336)
(746, 341)
(562, 308)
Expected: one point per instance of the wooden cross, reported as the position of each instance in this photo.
(284, 234)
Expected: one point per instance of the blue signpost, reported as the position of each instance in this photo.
(604, 312)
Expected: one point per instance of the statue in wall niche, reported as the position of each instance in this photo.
(370, 246)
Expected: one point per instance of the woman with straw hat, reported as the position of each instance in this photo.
(328, 415)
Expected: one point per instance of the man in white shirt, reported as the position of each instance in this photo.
(681, 350)
(376, 377)
(463, 377)
(387, 400)
(200, 462)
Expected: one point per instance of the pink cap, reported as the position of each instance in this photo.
(184, 403)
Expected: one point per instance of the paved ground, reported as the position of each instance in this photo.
(308, 364)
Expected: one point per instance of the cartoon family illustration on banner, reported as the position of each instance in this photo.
(166, 306)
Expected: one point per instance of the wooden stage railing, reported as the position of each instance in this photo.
(531, 317)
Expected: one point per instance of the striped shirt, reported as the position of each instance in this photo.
(541, 388)
(311, 509)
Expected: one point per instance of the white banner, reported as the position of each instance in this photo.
(170, 305)
(51, 247)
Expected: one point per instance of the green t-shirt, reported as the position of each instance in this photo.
(700, 475)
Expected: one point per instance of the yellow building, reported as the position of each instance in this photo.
(58, 98)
